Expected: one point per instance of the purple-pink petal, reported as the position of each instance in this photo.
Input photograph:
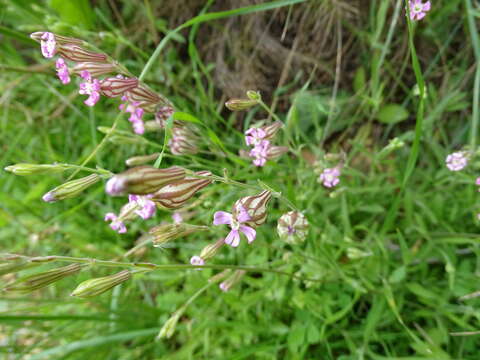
(233, 238)
(249, 232)
(48, 45)
(242, 214)
(222, 217)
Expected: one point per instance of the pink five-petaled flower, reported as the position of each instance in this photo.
(254, 136)
(329, 177)
(116, 224)
(418, 9)
(62, 71)
(90, 87)
(260, 153)
(457, 160)
(48, 45)
(136, 114)
(233, 237)
(145, 208)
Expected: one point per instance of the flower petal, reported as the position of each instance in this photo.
(222, 217)
(233, 238)
(249, 232)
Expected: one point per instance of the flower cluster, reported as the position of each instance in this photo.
(138, 97)
(457, 161)
(260, 139)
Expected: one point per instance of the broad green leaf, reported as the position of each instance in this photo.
(392, 114)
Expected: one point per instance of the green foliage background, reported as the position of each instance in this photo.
(411, 220)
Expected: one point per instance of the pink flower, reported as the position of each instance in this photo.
(177, 217)
(418, 9)
(233, 237)
(90, 87)
(254, 136)
(197, 260)
(457, 161)
(477, 182)
(260, 153)
(145, 208)
(48, 45)
(329, 177)
(136, 114)
(62, 71)
(116, 224)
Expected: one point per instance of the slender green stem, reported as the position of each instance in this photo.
(147, 266)
(268, 110)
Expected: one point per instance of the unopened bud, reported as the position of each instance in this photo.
(143, 180)
(94, 68)
(70, 189)
(292, 227)
(34, 169)
(37, 281)
(175, 195)
(126, 140)
(211, 250)
(78, 54)
(152, 125)
(220, 276)
(255, 206)
(164, 233)
(162, 114)
(168, 328)
(240, 104)
(97, 286)
(116, 86)
(354, 253)
(232, 280)
(274, 152)
(183, 141)
(140, 160)
(254, 95)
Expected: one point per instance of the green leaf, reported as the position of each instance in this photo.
(392, 114)
(76, 12)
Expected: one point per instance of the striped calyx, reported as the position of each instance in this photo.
(71, 188)
(94, 68)
(293, 227)
(97, 286)
(255, 206)
(183, 141)
(175, 195)
(164, 233)
(78, 54)
(274, 152)
(117, 86)
(143, 180)
(37, 36)
(272, 129)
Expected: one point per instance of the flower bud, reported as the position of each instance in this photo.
(168, 328)
(255, 206)
(37, 36)
(33, 282)
(272, 129)
(34, 169)
(94, 68)
(116, 86)
(146, 97)
(152, 125)
(292, 227)
(164, 233)
(220, 276)
(78, 54)
(143, 180)
(211, 250)
(139, 160)
(240, 104)
(97, 286)
(254, 95)
(232, 280)
(274, 152)
(183, 141)
(162, 114)
(70, 189)
(175, 195)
